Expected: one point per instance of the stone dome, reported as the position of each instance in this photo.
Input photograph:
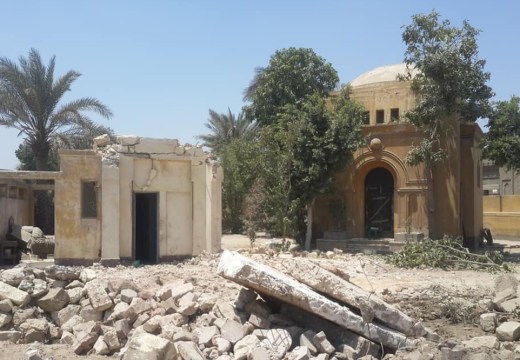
(380, 74)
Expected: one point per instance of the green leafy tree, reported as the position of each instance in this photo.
(30, 102)
(240, 167)
(448, 77)
(293, 75)
(224, 129)
(502, 142)
(451, 86)
(299, 155)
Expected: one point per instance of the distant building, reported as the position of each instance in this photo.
(498, 180)
(385, 197)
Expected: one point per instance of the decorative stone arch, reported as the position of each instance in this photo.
(360, 168)
(386, 159)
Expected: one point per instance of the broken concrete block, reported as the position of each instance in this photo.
(139, 306)
(508, 331)
(488, 341)
(259, 322)
(306, 341)
(148, 346)
(204, 335)
(62, 316)
(87, 275)
(342, 290)
(127, 295)
(10, 335)
(84, 343)
(100, 347)
(73, 321)
(97, 295)
(189, 351)
(64, 273)
(75, 295)
(264, 279)
(244, 346)
(488, 322)
(278, 341)
(153, 325)
(5, 319)
(6, 306)
(102, 140)
(17, 297)
(225, 310)
(141, 319)
(89, 314)
(223, 345)
(111, 339)
(127, 140)
(56, 299)
(174, 319)
(322, 344)
(510, 305)
(502, 296)
(13, 276)
(506, 281)
(300, 353)
(259, 308)
(34, 330)
(244, 297)
(232, 331)
(67, 338)
(122, 328)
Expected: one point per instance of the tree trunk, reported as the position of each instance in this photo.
(432, 232)
(41, 155)
(308, 235)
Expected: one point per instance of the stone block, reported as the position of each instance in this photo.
(75, 295)
(259, 322)
(508, 331)
(488, 322)
(243, 346)
(10, 335)
(67, 338)
(300, 353)
(322, 344)
(100, 347)
(148, 346)
(89, 314)
(232, 331)
(510, 305)
(62, 316)
(56, 299)
(6, 306)
(5, 319)
(98, 297)
(189, 351)
(127, 295)
(487, 341)
(306, 341)
(34, 330)
(204, 335)
(17, 297)
(84, 343)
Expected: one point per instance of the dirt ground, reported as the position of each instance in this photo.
(437, 297)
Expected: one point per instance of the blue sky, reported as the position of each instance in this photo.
(160, 65)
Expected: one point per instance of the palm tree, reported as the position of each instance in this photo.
(29, 102)
(224, 128)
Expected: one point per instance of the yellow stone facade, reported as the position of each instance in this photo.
(383, 196)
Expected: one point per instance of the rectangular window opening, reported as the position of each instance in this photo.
(394, 114)
(366, 118)
(380, 116)
(490, 171)
(88, 200)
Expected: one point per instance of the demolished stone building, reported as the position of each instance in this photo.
(137, 198)
(384, 197)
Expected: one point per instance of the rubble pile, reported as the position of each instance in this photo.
(301, 311)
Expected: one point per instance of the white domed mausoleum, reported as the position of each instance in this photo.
(379, 196)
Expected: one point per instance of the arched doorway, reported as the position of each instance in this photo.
(379, 203)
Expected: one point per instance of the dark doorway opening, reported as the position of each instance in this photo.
(379, 203)
(146, 227)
